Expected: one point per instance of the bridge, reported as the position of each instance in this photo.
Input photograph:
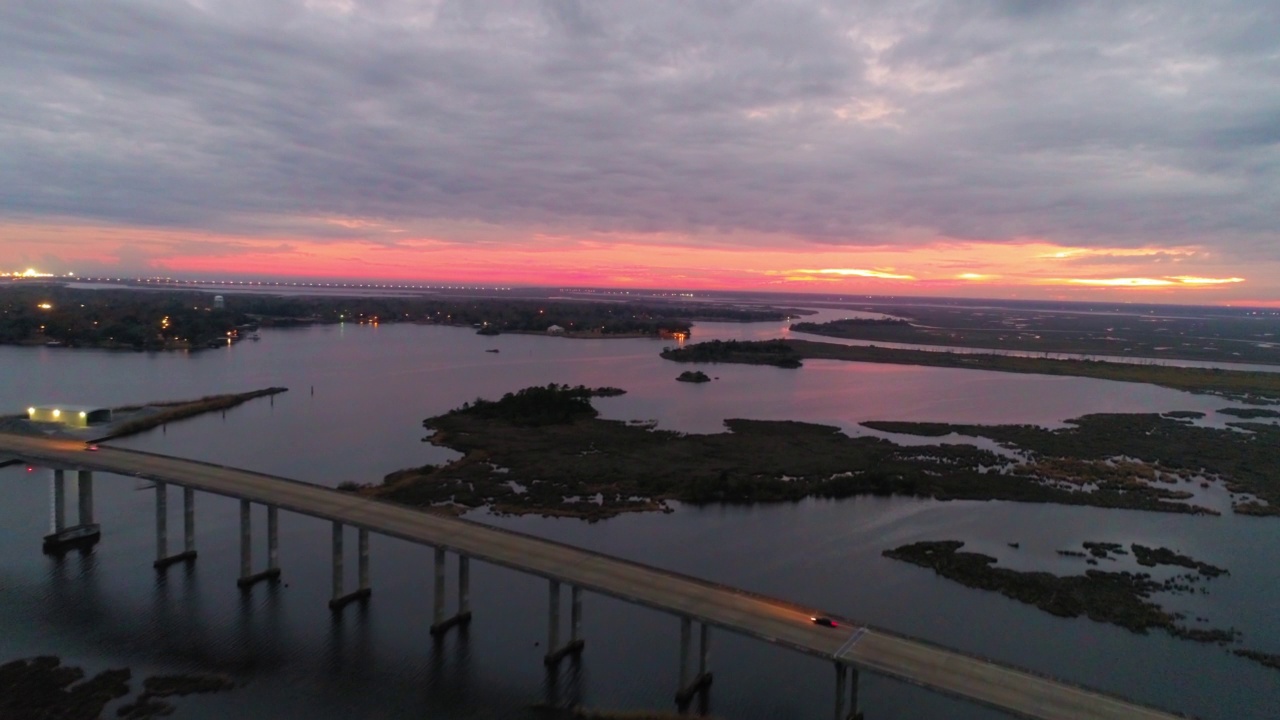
(850, 647)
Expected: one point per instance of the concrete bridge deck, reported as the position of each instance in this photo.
(1018, 692)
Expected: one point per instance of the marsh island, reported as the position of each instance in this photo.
(545, 450)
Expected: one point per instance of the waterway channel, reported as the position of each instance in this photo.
(357, 397)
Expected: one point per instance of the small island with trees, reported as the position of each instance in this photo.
(693, 376)
(546, 450)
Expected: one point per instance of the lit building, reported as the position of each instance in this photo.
(69, 415)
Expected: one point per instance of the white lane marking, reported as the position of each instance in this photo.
(848, 644)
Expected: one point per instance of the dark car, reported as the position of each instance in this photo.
(825, 622)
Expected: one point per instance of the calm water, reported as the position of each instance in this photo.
(373, 386)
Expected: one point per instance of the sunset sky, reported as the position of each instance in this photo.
(1012, 148)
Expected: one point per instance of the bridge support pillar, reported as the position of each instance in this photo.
(341, 600)
(84, 482)
(273, 539)
(58, 490)
(464, 586)
(247, 577)
(363, 541)
(83, 535)
(162, 521)
(555, 651)
(692, 687)
(189, 522)
(847, 688)
(439, 623)
(163, 558)
(575, 615)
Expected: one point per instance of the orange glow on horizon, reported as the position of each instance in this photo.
(1142, 282)
(851, 272)
(485, 256)
(1192, 280)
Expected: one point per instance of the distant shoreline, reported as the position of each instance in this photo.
(1259, 388)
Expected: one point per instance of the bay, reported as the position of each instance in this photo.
(357, 396)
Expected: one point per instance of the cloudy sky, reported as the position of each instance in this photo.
(1004, 148)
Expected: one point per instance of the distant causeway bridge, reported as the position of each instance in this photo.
(851, 648)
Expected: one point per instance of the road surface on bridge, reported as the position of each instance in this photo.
(774, 621)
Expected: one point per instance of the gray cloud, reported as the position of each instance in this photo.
(1095, 123)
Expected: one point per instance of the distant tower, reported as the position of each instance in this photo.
(219, 303)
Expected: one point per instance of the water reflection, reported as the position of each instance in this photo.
(372, 389)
